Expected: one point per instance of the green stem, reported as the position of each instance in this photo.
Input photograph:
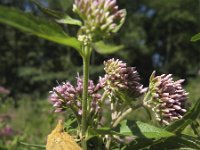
(108, 142)
(146, 96)
(104, 96)
(128, 111)
(86, 62)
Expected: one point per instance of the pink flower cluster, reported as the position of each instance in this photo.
(120, 77)
(66, 95)
(168, 98)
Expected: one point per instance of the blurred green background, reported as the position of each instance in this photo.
(156, 36)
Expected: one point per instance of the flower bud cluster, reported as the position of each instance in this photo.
(66, 95)
(120, 77)
(92, 93)
(168, 98)
(101, 17)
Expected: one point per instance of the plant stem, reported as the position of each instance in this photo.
(104, 96)
(125, 114)
(146, 96)
(108, 142)
(86, 62)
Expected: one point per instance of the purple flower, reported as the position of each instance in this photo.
(63, 96)
(68, 96)
(168, 98)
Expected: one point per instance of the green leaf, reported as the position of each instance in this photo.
(139, 144)
(104, 48)
(195, 37)
(94, 139)
(91, 133)
(187, 119)
(37, 26)
(60, 17)
(175, 142)
(68, 20)
(143, 130)
(194, 125)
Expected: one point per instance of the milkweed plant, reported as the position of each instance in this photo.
(100, 108)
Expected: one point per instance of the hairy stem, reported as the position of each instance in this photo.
(86, 62)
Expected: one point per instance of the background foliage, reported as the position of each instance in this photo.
(156, 36)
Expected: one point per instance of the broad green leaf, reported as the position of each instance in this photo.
(60, 17)
(177, 142)
(104, 48)
(195, 37)
(139, 144)
(174, 142)
(37, 26)
(188, 118)
(143, 130)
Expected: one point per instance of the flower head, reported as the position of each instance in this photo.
(168, 98)
(120, 77)
(101, 17)
(66, 95)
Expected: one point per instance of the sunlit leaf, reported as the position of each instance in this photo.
(60, 16)
(37, 26)
(195, 37)
(143, 130)
(104, 48)
(175, 142)
(68, 20)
